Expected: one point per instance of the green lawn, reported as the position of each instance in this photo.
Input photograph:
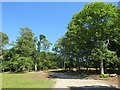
(27, 80)
(0, 80)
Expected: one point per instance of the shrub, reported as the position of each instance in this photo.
(104, 75)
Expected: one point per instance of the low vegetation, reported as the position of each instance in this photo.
(104, 75)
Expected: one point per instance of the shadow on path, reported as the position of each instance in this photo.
(93, 88)
(71, 75)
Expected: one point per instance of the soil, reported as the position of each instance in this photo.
(37, 76)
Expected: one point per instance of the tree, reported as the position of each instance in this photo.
(42, 45)
(18, 63)
(22, 55)
(41, 37)
(60, 55)
(3, 39)
(26, 42)
(3, 42)
(93, 27)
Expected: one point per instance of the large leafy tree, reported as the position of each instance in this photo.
(93, 27)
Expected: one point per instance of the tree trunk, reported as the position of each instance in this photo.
(35, 66)
(78, 64)
(87, 68)
(3, 70)
(102, 67)
(96, 68)
(64, 64)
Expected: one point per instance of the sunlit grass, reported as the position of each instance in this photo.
(24, 81)
(0, 81)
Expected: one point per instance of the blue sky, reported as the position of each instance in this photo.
(49, 18)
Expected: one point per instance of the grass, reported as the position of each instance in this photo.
(26, 80)
(0, 81)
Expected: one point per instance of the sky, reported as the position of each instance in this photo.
(48, 18)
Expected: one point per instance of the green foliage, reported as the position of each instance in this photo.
(89, 34)
(3, 39)
(47, 60)
(3, 42)
(25, 56)
(26, 48)
(26, 43)
(21, 56)
(43, 44)
(21, 63)
(104, 75)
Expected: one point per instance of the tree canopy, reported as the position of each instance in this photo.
(92, 29)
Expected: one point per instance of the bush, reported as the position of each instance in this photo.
(104, 75)
(20, 64)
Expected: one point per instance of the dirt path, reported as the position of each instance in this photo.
(66, 81)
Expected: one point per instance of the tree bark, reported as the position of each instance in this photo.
(64, 64)
(35, 63)
(35, 66)
(102, 67)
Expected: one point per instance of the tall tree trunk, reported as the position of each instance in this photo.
(77, 64)
(102, 67)
(87, 70)
(35, 63)
(64, 64)
(35, 66)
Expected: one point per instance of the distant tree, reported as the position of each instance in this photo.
(3, 42)
(42, 45)
(3, 39)
(60, 51)
(22, 55)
